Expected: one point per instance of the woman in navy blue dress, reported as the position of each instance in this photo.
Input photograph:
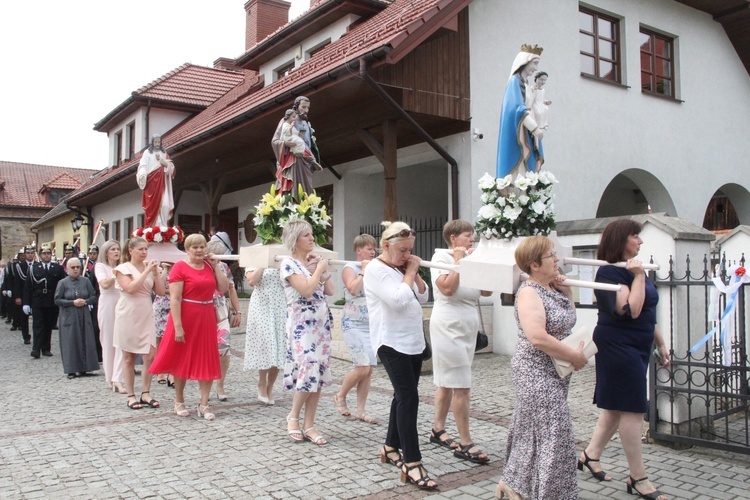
(625, 334)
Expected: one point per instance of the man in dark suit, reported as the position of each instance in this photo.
(10, 273)
(19, 285)
(39, 299)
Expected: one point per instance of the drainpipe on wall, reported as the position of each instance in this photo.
(420, 132)
(146, 127)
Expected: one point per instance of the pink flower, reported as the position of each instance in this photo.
(740, 271)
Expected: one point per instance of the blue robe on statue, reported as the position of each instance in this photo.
(515, 145)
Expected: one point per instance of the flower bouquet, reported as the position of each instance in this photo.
(159, 234)
(274, 211)
(513, 208)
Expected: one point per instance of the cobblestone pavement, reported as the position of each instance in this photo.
(63, 438)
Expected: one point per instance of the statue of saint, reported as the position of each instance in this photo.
(154, 176)
(520, 140)
(293, 144)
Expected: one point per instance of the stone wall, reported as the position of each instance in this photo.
(15, 229)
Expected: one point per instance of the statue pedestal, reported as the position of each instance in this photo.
(256, 256)
(165, 252)
(492, 266)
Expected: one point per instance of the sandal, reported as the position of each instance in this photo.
(180, 412)
(600, 475)
(119, 388)
(385, 457)
(477, 457)
(204, 411)
(364, 417)
(341, 406)
(445, 443)
(294, 434)
(503, 490)
(423, 482)
(654, 495)
(135, 405)
(319, 439)
(151, 403)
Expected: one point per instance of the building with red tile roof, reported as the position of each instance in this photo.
(27, 193)
(405, 97)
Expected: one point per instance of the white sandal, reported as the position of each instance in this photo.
(202, 412)
(178, 412)
(319, 439)
(296, 435)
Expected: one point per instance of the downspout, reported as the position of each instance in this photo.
(420, 132)
(146, 127)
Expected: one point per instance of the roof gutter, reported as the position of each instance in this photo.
(420, 132)
(347, 68)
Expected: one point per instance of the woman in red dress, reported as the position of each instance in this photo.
(189, 349)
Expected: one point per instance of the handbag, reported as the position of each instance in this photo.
(482, 339)
(565, 368)
(427, 353)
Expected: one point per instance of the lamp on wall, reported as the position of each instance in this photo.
(77, 222)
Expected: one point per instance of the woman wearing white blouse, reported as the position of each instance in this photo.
(394, 294)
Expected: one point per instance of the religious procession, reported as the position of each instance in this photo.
(591, 329)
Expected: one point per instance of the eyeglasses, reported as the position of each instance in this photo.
(552, 255)
(404, 233)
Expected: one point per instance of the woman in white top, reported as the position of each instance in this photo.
(453, 331)
(109, 295)
(394, 294)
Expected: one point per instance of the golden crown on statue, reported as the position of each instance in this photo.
(536, 49)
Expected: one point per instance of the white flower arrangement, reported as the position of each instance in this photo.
(527, 211)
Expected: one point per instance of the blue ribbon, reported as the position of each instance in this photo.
(728, 310)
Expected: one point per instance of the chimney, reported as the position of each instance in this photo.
(227, 63)
(263, 18)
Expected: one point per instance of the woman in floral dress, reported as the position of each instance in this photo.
(307, 369)
(161, 312)
(540, 460)
(355, 327)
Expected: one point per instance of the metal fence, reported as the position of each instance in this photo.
(700, 400)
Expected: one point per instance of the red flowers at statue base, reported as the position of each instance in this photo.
(158, 234)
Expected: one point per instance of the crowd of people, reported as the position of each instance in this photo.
(175, 318)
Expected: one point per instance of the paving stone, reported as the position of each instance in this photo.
(104, 450)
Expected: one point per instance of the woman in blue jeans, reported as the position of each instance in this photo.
(394, 294)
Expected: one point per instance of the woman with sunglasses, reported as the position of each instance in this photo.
(540, 459)
(394, 294)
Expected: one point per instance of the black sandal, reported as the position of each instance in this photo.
(151, 403)
(447, 443)
(654, 495)
(423, 483)
(385, 457)
(135, 405)
(476, 457)
(600, 475)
